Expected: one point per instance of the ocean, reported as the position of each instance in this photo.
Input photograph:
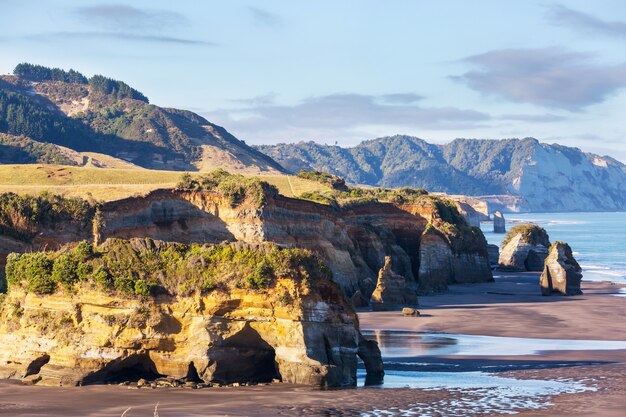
(598, 240)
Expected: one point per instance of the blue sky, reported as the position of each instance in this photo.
(345, 71)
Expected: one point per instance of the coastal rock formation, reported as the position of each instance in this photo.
(435, 271)
(561, 273)
(493, 252)
(392, 291)
(499, 224)
(353, 240)
(525, 247)
(296, 328)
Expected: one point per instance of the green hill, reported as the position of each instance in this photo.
(99, 114)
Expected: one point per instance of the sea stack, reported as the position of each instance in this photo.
(499, 224)
(525, 247)
(391, 292)
(561, 274)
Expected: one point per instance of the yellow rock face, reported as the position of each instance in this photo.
(241, 335)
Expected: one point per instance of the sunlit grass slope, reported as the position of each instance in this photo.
(112, 184)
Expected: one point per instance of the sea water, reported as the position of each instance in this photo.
(598, 240)
(598, 243)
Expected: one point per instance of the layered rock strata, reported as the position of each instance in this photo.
(298, 331)
(353, 240)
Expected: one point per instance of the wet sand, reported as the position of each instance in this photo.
(509, 307)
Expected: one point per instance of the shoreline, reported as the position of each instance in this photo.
(509, 307)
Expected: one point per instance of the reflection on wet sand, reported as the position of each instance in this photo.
(406, 344)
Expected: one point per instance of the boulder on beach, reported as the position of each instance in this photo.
(524, 248)
(391, 292)
(561, 273)
(408, 311)
(499, 224)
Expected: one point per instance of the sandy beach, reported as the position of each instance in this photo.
(509, 307)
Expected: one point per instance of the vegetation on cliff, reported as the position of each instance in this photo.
(359, 195)
(334, 181)
(22, 215)
(449, 223)
(144, 267)
(234, 187)
(531, 234)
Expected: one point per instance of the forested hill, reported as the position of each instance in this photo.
(100, 114)
(547, 177)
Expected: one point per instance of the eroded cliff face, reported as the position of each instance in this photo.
(353, 241)
(293, 330)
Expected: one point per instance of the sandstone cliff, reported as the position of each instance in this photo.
(284, 320)
(353, 239)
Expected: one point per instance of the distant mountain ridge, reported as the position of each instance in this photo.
(99, 114)
(546, 177)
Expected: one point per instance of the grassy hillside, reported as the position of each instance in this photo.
(113, 184)
(53, 106)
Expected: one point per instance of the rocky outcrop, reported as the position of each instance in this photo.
(392, 291)
(494, 254)
(499, 224)
(352, 240)
(525, 248)
(518, 255)
(297, 331)
(435, 271)
(561, 273)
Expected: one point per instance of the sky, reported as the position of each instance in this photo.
(342, 71)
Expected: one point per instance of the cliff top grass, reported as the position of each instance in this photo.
(109, 184)
(236, 188)
(334, 181)
(145, 268)
(351, 196)
(531, 234)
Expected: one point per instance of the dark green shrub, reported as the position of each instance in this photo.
(36, 270)
(83, 250)
(102, 277)
(531, 234)
(141, 288)
(64, 270)
(261, 277)
(124, 284)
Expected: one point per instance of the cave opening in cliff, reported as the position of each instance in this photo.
(245, 357)
(130, 369)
